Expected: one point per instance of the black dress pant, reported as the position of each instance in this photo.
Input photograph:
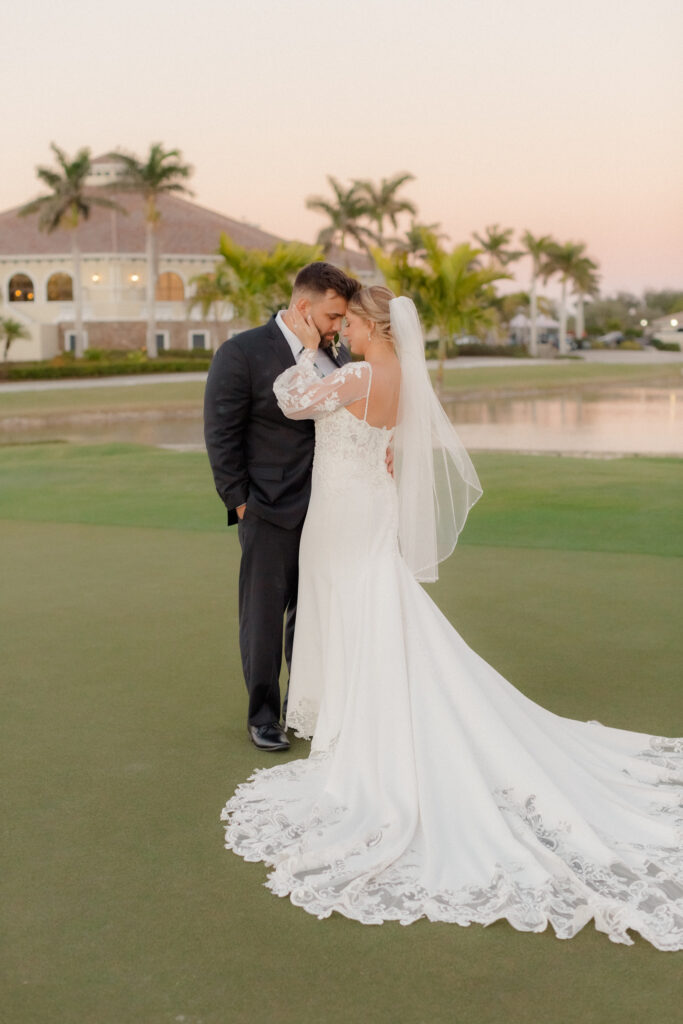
(269, 578)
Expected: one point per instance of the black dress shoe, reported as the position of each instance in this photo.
(269, 737)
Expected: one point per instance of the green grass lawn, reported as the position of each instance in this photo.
(561, 374)
(123, 735)
(116, 398)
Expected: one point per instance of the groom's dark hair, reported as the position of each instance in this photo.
(321, 277)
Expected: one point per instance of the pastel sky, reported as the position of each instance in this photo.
(563, 118)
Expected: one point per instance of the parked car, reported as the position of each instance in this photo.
(611, 338)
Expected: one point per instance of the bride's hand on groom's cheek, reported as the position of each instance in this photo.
(304, 328)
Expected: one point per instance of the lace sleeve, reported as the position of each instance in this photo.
(302, 394)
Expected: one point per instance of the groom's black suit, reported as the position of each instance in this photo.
(261, 459)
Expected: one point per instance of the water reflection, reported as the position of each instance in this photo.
(634, 420)
(638, 420)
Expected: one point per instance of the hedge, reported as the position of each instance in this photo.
(93, 368)
(665, 346)
(476, 349)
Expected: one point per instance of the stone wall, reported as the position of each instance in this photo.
(130, 335)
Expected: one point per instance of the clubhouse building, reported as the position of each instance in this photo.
(37, 287)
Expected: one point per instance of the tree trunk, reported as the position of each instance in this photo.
(442, 358)
(563, 318)
(533, 310)
(580, 320)
(215, 337)
(151, 293)
(79, 346)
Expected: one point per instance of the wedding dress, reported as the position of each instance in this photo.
(434, 788)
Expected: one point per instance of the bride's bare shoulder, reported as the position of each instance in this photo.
(387, 370)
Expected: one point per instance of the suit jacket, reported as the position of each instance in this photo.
(257, 455)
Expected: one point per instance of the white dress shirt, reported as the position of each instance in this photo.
(322, 362)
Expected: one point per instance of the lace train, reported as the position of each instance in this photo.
(644, 895)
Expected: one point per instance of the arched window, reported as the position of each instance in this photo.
(21, 289)
(170, 288)
(60, 288)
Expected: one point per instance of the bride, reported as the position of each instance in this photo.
(521, 815)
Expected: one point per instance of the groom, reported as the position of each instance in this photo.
(261, 464)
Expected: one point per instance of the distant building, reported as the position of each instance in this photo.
(667, 328)
(36, 274)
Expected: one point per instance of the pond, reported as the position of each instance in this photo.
(604, 421)
(642, 421)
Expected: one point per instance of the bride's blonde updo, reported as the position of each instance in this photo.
(372, 303)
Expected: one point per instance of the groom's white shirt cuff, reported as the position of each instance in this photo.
(322, 363)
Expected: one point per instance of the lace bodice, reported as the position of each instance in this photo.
(348, 450)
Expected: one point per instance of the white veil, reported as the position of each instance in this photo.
(437, 483)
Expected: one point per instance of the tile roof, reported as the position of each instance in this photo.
(185, 229)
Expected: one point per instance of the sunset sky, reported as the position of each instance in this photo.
(563, 118)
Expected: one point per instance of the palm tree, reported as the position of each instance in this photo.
(565, 260)
(345, 212)
(537, 249)
(494, 243)
(451, 292)
(11, 330)
(211, 294)
(384, 204)
(586, 282)
(254, 282)
(413, 242)
(68, 204)
(161, 173)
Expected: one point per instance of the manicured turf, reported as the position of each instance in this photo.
(70, 401)
(570, 373)
(530, 501)
(123, 735)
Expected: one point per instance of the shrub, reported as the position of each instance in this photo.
(630, 346)
(475, 349)
(63, 359)
(665, 346)
(185, 353)
(480, 349)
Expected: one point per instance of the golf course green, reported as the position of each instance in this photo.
(123, 734)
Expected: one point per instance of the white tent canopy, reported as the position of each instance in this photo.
(542, 321)
(520, 321)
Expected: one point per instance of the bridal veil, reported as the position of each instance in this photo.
(437, 483)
